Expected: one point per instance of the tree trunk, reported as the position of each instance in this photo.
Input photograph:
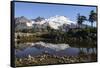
(92, 24)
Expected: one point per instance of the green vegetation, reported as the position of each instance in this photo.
(73, 37)
(80, 20)
(92, 17)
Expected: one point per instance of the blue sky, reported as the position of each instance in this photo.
(33, 10)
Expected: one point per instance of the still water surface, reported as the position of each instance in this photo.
(38, 48)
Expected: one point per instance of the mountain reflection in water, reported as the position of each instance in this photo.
(38, 48)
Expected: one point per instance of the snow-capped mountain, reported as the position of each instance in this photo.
(23, 23)
(56, 22)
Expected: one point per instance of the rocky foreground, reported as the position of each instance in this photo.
(46, 59)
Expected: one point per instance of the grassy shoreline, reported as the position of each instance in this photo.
(52, 59)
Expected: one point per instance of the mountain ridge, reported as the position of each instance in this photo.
(56, 22)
